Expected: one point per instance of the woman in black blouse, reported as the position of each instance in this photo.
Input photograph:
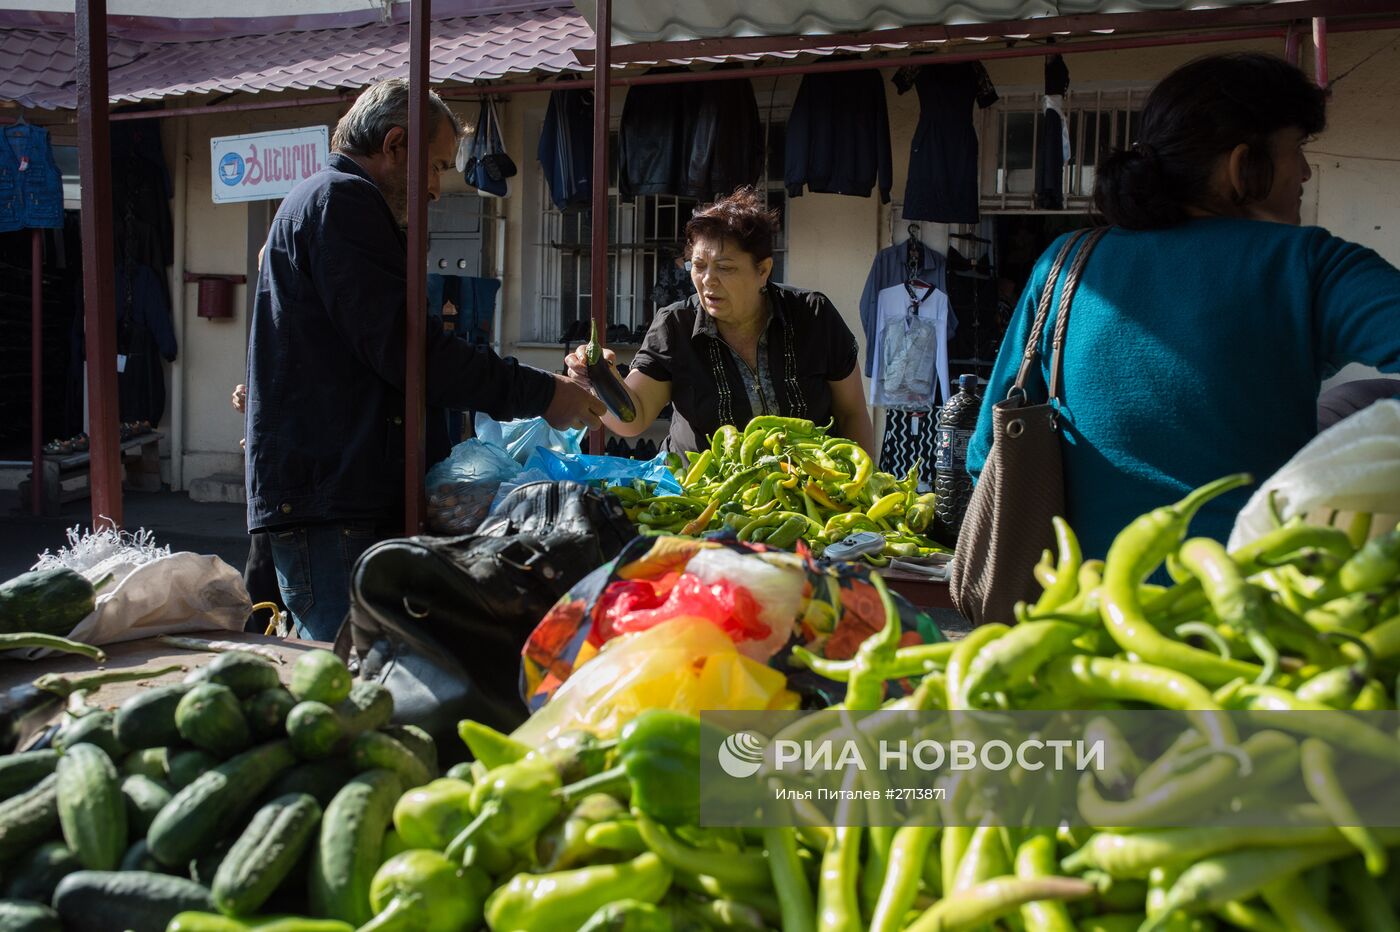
(741, 346)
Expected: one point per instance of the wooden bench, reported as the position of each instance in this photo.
(67, 475)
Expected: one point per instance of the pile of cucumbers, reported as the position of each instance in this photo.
(228, 796)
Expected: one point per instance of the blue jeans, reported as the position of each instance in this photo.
(313, 565)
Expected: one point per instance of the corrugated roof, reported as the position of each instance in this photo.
(637, 21)
(37, 66)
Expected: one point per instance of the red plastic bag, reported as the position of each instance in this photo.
(628, 606)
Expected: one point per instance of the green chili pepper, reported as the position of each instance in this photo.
(1320, 777)
(628, 916)
(861, 465)
(1272, 707)
(725, 440)
(1102, 678)
(908, 855)
(1122, 766)
(699, 468)
(566, 899)
(789, 879)
(1291, 898)
(741, 868)
(753, 442)
(1374, 565)
(490, 746)
(1340, 687)
(1036, 858)
(838, 907)
(620, 835)
(1138, 550)
(1016, 656)
(794, 426)
(659, 761)
(993, 899)
(786, 534)
(565, 843)
(1236, 603)
(510, 804)
(887, 505)
(1368, 902)
(866, 683)
(986, 857)
(1066, 582)
(961, 660)
(907, 661)
(1248, 917)
(430, 816)
(1134, 856)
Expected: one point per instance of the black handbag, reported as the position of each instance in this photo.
(441, 621)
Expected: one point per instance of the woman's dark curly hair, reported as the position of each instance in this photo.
(1199, 112)
(741, 217)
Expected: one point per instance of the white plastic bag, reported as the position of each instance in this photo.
(1353, 466)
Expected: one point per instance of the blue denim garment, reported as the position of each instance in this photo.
(31, 186)
(313, 572)
(326, 361)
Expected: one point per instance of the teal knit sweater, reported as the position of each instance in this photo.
(1195, 352)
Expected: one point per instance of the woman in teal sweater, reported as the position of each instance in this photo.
(1207, 318)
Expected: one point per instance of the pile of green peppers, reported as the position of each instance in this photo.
(783, 480)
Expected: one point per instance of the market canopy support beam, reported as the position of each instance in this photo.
(415, 307)
(36, 370)
(99, 306)
(602, 106)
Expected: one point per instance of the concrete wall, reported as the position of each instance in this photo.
(831, 239)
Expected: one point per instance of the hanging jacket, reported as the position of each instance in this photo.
(566, 148)
(888, 269)
(31, 186)
(838, 136)
(697, 140)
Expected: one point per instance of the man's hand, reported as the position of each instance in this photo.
(573, 406)
(240, 398)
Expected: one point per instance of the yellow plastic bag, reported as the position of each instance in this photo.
(686, 664)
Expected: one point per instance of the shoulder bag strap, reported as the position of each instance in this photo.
(1076, 269)
(1042, 312)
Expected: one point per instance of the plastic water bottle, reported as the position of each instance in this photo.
(951, 482)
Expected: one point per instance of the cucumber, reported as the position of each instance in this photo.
(45, 601)
(376, 750)
(143, 901)
(19, 772)
(28, 916)
(320, 779)
(205, 811)
(138, 858)
(93, 728)
(147, 720)
(29, 818)
(265, 854)
(243, 672)
(91, 810)
(210, 718)
(418, 741)
(319, 675)
(147, 762)
(316, 730)
(144, 799)
(266, 712)
(347, 852)
(36, 876)
(184, 767)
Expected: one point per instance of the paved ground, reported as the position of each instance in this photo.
(184, 525)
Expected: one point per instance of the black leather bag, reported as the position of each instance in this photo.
(441, 621)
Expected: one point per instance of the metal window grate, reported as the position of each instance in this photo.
(1099, 122)
(645, 234)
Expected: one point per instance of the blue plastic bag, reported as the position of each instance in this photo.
(610, 470)
(520, 438)
(461, 488)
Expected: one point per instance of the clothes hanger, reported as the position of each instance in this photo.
(914, 255)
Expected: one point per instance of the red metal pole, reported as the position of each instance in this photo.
(36, 371)
(415, 307)
(1320, 51)
(99, 306)
(1291, 45)
(602, 132)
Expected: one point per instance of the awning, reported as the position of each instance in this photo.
(646, 21)
(37, 66)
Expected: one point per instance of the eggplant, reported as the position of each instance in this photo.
(606, 385)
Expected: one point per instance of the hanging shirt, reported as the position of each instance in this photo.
(1052, 149)
(838, 136)
(911, 356)
(942, 184)
(890, 268)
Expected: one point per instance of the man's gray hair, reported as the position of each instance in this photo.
(379, 109)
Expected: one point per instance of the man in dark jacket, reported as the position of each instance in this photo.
(325, 409)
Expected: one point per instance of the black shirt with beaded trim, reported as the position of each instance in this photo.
(808, 346)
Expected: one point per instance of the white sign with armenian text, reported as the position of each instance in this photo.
(265, 166)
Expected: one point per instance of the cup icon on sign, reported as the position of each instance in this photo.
(230, 170)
